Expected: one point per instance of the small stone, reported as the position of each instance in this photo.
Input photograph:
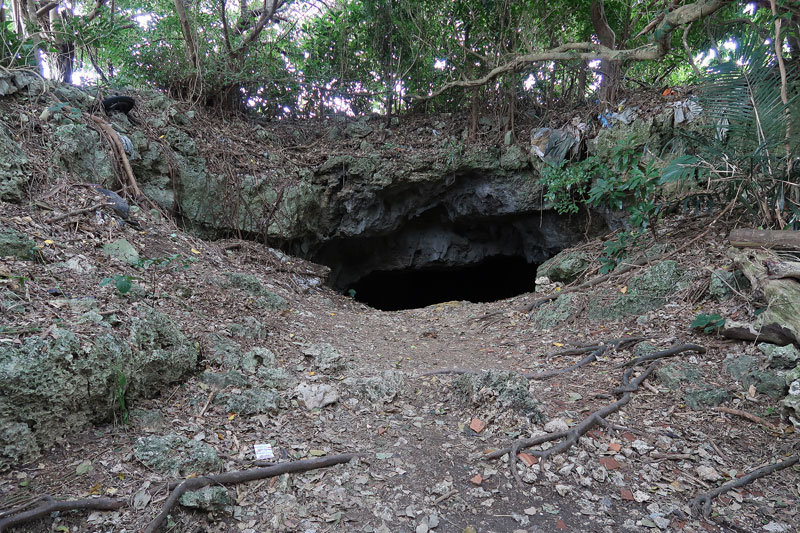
(563, 490)
(476, 480)
(707, 473)
(556, 425)
(640, 496)
(317, 396)
(641, 447)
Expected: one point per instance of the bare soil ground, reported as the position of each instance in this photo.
(424, 465)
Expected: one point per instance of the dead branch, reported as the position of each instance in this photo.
(762, 238)
(78, 212)
(571, 437)
(241, 476)
(749, 416)
(702, 502)
(119, 152)
(51, 506)
(669, 352)
(589, 51)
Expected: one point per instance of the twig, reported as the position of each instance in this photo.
(241, 476)
(702, 502)
(208, 402)
(51, 506)
(669, 352)
(77, 212)
(749, 416)
(448, 371)
(443, 497)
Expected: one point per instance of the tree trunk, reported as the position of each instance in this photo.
(188, 36)
(65, 56)
(611, 70)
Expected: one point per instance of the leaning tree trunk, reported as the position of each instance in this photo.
(611, 70)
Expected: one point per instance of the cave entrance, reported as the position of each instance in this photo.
(494, 278)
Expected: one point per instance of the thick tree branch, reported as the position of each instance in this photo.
(589, 51)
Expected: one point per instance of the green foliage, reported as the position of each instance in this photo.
(122, 387)
(15, 52)
(122, 283)
(567, 183)
(630, 181)
(616, 250)
(708, 323)
(745, 149)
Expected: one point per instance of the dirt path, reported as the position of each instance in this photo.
(423, 437)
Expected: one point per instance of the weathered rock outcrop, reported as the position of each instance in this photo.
(60, 383)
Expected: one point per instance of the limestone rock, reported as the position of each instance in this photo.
(565, 266)
(376, 389)
(705, 396)
(212, 499)
(724, 283)
(14, 168)
(16, 244)
(250, 402)
(317, 396)
(123, 251)
(780, 356)
(504, 389)
(176, 455)
(325, 357)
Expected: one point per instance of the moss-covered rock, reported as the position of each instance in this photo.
(80, 151)
(724, 283)
(705, 396)
(565, 266)
(250, 402)
(14, 169)
(553, 313)
(650, 290)
(176, 455)
(212, 499)
(16, 244)
(161, 354)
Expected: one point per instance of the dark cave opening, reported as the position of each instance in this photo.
(494, 278)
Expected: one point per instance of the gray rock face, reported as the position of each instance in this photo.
(565, 266)
(64, 383)
(14, 171)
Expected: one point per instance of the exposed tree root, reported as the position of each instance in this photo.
(702, 502)
(241, 476)
(571, 437)
(669, 352)
(596, 351)
(50, 506)
(180, 487)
